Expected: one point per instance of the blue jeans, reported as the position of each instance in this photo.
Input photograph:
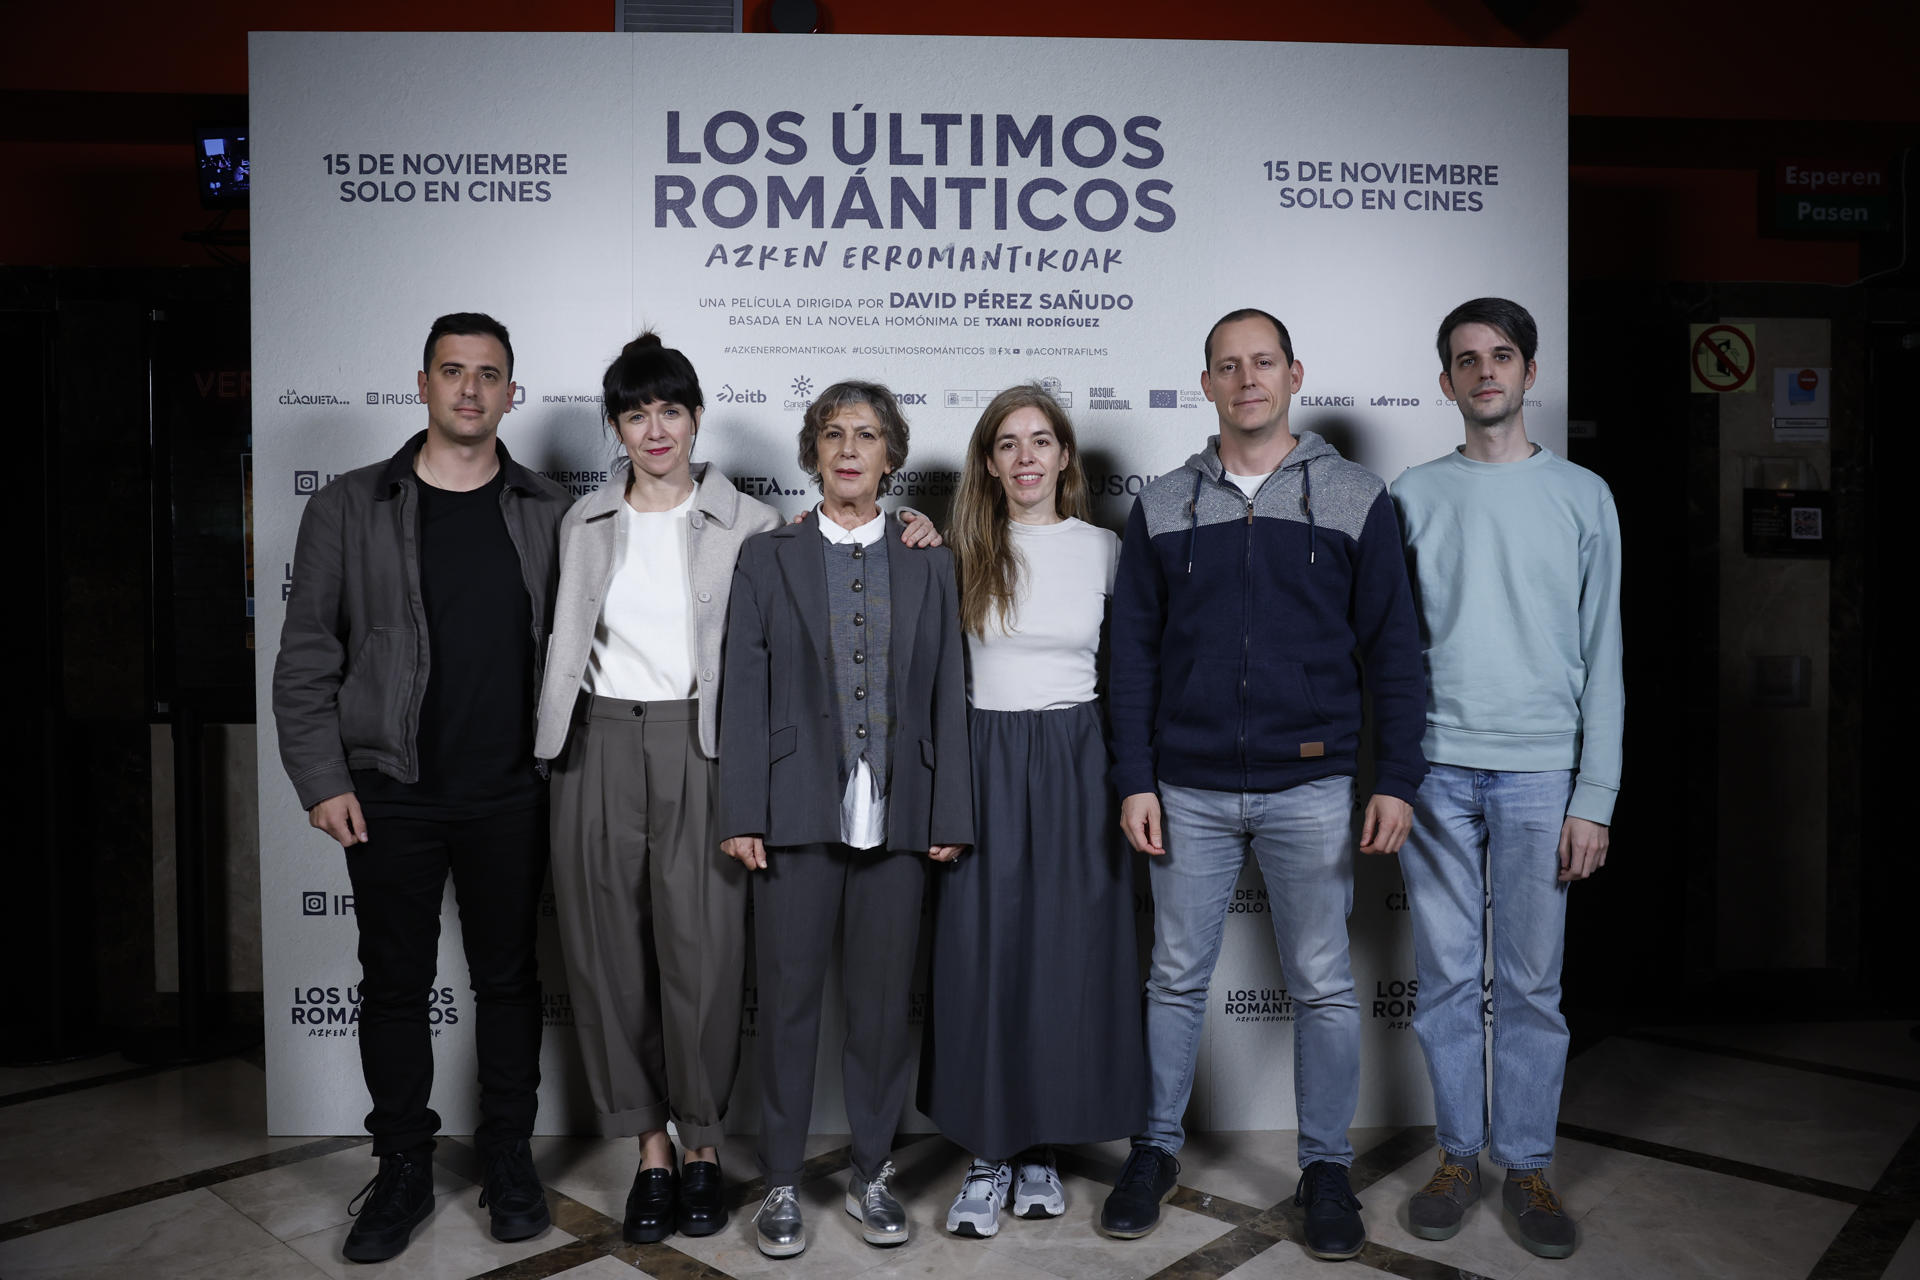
(1302, 839)
(1480, 833)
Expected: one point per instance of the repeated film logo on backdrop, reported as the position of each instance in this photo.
(319, 902)
(332, 1010)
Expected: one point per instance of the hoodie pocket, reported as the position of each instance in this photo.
(1285, 719)
(1201, 721)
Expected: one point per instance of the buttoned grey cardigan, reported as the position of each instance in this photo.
(721, 520)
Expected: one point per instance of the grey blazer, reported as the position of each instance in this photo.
(779, 738)
(722, 519)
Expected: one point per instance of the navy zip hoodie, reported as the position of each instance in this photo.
(1241, 627)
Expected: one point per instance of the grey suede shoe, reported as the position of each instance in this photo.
(1434, 1212)
(777, 1227)
(1545, 1229)
(883, 1221)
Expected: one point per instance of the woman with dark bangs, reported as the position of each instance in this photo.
(652, 916)
(1034, 1033)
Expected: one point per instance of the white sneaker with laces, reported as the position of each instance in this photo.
(1037, 1192)
(983, 1193)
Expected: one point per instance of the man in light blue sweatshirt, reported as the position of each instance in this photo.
(1515, 559)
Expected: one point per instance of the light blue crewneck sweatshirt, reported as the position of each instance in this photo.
(1516, 571)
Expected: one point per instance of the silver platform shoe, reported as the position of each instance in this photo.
(882, 1220)
(777, 1227)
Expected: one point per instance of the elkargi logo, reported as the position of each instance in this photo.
(334, 1011)
(318, 902)
(1258, 1004)
(306, 398)
(1106, 398)
(727, 395)
(1324, 402)
(1174, 398)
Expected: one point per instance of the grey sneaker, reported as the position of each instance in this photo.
(1436, 1209)
(1545, 1229)
(983, 1193)
(777, 1227)
(1037, 1192)
(882, 1220)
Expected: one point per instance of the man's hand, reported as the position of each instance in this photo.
(1583, 848)
(340, 817)
(946, 852)
(1389, 818)
(919, 532)
(749, 851)
(1140, 820)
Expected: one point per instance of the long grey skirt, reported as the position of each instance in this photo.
(1034, 1030)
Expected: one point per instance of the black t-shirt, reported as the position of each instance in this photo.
(476, 722)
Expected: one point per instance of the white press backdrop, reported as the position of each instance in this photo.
(946, 215)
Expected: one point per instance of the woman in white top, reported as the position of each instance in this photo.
(1034, 1033)
(652, 915)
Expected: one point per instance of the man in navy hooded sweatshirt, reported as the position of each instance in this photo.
(1257, 584)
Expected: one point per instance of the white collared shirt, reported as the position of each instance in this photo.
(863, 808)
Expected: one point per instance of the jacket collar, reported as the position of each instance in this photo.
(399, 468)
(713, 494)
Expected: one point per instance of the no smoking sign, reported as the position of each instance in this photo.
(1722, 357)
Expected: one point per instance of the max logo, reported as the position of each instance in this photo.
(912, 397)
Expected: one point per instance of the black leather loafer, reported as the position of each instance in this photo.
(703, 1206)
(650, 1206)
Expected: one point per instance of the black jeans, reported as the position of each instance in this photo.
(399, 875)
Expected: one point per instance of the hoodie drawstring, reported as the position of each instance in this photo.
(1306, 504)
(1193, 517)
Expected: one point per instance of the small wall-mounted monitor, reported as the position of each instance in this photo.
(224, 166)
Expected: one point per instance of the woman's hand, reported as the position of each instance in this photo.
(749, 851)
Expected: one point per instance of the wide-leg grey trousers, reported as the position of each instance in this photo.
(805, 893)
(652, 918)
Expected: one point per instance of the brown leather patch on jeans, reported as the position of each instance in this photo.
(1308, 750)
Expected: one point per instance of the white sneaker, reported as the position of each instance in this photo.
(1037, 1192)
(976, 1210)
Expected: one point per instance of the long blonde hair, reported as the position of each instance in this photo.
(983, 550)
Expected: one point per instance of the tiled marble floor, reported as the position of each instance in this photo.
(1745, 1152)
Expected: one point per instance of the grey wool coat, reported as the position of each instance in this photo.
(723, 518)
(780, 755)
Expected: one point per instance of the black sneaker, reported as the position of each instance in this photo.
(1133, 1207)
(1545, 1229)
(398, 1199)
(512, 1195)
(1333, 1227)
(1436, 1209)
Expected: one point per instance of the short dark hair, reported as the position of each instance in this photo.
(893, 423)
(466, 324)
(1510, 318)
(1250, 313)
(645, 372)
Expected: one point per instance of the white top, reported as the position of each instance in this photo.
(1249, 485)
(863, 809)
(643, 644)
(1046, 657)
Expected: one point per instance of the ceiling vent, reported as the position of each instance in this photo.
(677, 15)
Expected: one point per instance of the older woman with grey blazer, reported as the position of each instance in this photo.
(652, 916)
(843, 769)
